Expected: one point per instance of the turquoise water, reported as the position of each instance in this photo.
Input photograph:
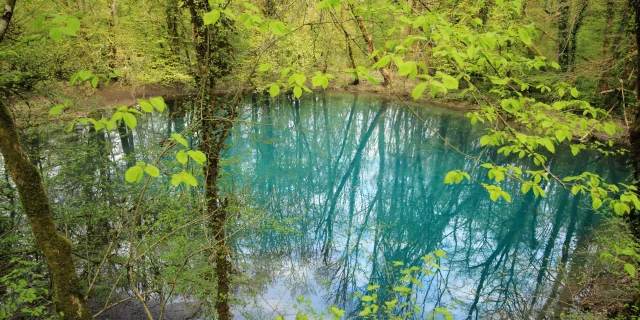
(341, 191)
(358, 183)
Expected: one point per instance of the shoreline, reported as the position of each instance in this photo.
(115, 96)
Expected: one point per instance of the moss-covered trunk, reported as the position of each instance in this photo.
(564, 9)
(214, 135)
(368, 39)
(68, 297)
(214, 50)
(634, 128)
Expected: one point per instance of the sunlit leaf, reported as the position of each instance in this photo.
(274, 90)
(297, 91)
(145, 105)
(278, 28)
(56, 110)
(130, 120)
(179, 139)
(134, 174)
(182, 157)
(152, 170)
(211, 17)
(197, 156)
(158, 103)
(630, 269)
(418, 90)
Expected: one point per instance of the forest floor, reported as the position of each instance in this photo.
(133, 310)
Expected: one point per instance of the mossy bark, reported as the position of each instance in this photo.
(214, 50)
(634, 128)
(368, 39)
(68, 297)
(564, 9)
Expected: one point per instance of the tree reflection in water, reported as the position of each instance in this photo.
(353, 184)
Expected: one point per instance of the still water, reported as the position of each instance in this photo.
(347, 190)
(359, 182)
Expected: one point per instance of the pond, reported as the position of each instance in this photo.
(342, 192)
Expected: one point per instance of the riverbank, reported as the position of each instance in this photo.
(84, 100)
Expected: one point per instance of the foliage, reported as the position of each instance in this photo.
(487, 52)
(25, 293)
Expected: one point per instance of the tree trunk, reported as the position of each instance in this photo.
(172, 26)
(634, 128)
(113, 22)
(563, 34)
(68, 297)
(368, 39)
(5, 19)
(214, 135)
(214, 50)
(271, 8)
(356, 81)
(574, 34)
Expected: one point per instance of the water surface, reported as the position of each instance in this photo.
(344, 190)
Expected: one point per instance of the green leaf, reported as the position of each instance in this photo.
(407, 68)
(182, 157)
(278, 28)
(297, 91)
(95, 81)
(451, 177)
(145, 106)
(630, 269)
(251, 7)
(274, 90)
(197, 156)
(574, 92)
(134, 174)
(264, 67)
(56, 110)
(130, 120)
(55, 34)
(561, 92)
(383, 62)
(152, 170)
(439, 253)
(596, 203)
(418, 90)
(211, 17)
(318, 80)
(179, 139)
(337, 312)
(372, 287)
(186, 178)
(73, 25)
(176, 179)
(525, 36)
(85, 75)
(449, 82)
(437, 87)
(402, 289)
(445, 313)
(158, 103)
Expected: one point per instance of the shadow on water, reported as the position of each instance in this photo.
(342, 191)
